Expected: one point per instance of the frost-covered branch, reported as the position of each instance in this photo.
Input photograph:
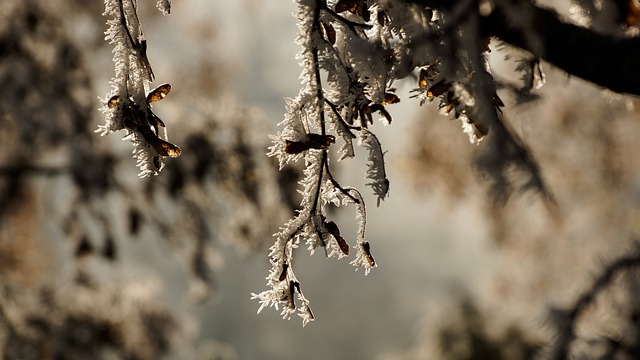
(339, 40)
(362, 48)
(128, 106)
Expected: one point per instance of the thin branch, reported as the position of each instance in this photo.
(334, 108)
(350, 24)
(567, 332)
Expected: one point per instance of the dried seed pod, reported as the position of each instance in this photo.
(344, 5)
(158, 93)
(129, 124)
(367, 252)
(423, 79)
(438, 88)
(632, 12)
(162, 147)
(295, 147)
(315, 141)
(292, 292)
(131, 118)
(333, 229)
(113, 102)
(329, 31)
(283, 274)
(155, 120)
(390, 98)
(344, 247)
(320, 142)
(165, 148)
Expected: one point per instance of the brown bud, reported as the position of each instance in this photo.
(344, 5)
(283, 274)
(158, 93)
(333, 229)
(390, 98)
(295, 147)
(320, 142)
(367, 252)
(113, 101)
(438, 88)
(329, 31)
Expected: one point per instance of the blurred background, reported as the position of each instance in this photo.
(97, 263)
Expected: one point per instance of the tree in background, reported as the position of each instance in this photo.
(353, 55)
(62, 181)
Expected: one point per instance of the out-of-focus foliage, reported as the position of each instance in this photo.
(62, 184)
(584, 139)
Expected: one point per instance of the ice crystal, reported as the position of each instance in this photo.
(375, 168)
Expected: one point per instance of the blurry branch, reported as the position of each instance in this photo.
(565, 320)
(50, 159)
(33, 170)
(605, 60)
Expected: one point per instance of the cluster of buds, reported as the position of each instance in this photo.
(140, 119)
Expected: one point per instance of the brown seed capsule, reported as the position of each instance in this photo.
(283, 274)
(158, 93)
(295, 147)
(438, 88)
(333, 229)
(367, 252)
(390, 98)
(422, 79)
(317, 141)
(162, 147)
(113, 101)
(344, 247)
(292, 291)
(166, 148)
(155, 120)
(329, 31)
(344, 5)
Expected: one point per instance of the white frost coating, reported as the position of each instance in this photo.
(469, 129)
(363, 256)
(293, 130)
(375, 167)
